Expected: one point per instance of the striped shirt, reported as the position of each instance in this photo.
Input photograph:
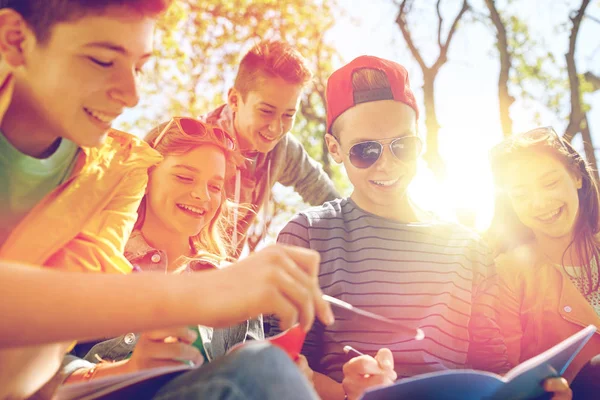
(437, 276)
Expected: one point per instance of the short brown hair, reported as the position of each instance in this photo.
(271, 58)
(42, 15)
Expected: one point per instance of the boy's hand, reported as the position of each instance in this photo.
(364, 372)
(302, 364)
(280, 280)
(559, 387)
(165, 347)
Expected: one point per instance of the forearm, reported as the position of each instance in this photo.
(42, 306)
(327, 388)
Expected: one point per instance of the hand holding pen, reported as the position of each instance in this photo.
(362, 371)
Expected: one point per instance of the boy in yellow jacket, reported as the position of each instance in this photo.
(69, 191)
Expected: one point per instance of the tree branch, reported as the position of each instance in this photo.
(440, 23)
(402, 24)
(504, 97)
(444, 49)
(576, 116)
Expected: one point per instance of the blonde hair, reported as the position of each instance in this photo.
(209, 243)
(271, 58)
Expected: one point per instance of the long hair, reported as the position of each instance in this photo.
(507, 232)
(210, 242)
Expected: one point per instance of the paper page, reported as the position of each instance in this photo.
(102, 386)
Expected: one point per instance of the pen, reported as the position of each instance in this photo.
(352, 352)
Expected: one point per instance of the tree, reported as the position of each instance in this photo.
(432, 155)
(578, 122)
(505, 100)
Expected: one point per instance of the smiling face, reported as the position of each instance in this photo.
(266, 113)
(185, 191)
(83, 76)
(384, 183)
(543, 193)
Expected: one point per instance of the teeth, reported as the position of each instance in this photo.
(100, 116)
(549, 215)
(385, 183)
(192, 209)
(266, 137)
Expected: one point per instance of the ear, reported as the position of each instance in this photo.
(334, 148)
(13, 33)
(233, 99)
(578, 181)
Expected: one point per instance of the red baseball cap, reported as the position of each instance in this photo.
(342, 96)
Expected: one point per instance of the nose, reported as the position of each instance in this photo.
(276, 126)
(386, 160)
(538, 201)
(125, 88)
(200, 192)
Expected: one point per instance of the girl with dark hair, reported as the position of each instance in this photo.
(545, 235)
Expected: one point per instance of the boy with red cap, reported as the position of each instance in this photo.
(381, 252)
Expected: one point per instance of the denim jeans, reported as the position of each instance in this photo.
(254, 371)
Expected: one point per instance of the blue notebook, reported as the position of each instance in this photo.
(522, 382)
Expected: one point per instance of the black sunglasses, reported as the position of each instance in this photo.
(364, 154)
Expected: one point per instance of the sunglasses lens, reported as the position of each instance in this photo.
(407, 148)
(365, 154)
(223, 137)
(191, 126)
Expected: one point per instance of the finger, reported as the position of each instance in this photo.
(308, 260)
(183, 334)
(308, 264)
(298, 294)
(177, 351)
(301, 361)
(385, 359)
(284, 310)
(558, 384)
(362, 365)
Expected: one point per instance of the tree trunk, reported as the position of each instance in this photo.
(577, 116)
(432, 155)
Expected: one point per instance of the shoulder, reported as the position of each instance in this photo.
(126, 150)
(324, 215)
(517, 265)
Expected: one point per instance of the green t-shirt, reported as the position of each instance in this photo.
(25, 180)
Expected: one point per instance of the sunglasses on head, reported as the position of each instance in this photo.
(364, 154)
(538, 135)
(193, 127)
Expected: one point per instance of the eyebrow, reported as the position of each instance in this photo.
(196, 170)
(188, 167)
(114, 47)
(541, 178)
(274, 108)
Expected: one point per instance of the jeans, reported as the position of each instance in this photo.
(254, 371)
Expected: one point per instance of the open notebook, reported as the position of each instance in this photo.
(99, 387)
(522, 382)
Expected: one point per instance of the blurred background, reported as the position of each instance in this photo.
(481, 69)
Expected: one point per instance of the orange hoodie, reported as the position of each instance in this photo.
(84, 223)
